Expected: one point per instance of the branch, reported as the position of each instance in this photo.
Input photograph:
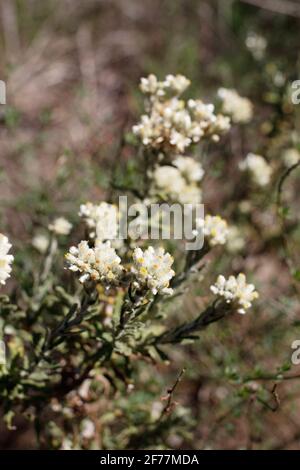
(169, 397)
(285, 7)
(213, 313)
(284, 176)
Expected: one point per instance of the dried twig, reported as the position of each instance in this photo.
(170, 392)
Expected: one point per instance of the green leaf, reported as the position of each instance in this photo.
(296, 275)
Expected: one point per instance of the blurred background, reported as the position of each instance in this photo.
(72, 70)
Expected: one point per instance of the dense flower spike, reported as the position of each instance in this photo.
(60, 226)
(240, 109)
(258, 168)
(171, 124)
(100, 263)
(215, 229)
(235, 290)
(102, 219)
(5, 259)
(152, 269)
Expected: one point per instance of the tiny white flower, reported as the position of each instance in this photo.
(152, 269)
(67, 444)
(179, 140)
(87, 429)
(83, 390)
(258, 168)
(257, 45)
(156, 410)
(235, 290)
(279, 78)
(221, 125)
(150, 84)
(5, 259)
(178, 83)
(60, 226)
(202, 112)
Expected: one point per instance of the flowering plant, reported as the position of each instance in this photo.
(114, 301)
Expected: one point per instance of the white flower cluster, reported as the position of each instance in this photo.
(152, 269)
(178, 183)
(238, 108)
(100, 263)
(60, 226)
(291, 156)
(102, 219)
(174, 84)
(5, 259)
(259, 169)
(215, 229)
(257, 45)
(171, 124)
(235, 290)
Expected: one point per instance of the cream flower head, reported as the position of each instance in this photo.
(152, 269)
(240, 109)
(258, 168)
(40, 242)
(100, 263)
(235, 290)
(60, 226)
